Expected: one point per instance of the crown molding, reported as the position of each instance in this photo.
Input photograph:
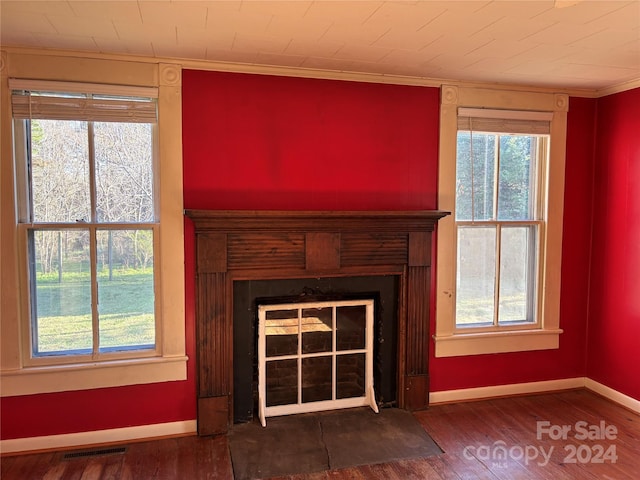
(621, 87)
(342, 75)
(302, 72)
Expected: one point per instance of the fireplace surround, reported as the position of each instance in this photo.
(234, 246)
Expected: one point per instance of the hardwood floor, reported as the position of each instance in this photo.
(471, 435)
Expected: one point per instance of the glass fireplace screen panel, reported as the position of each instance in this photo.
(315, 356)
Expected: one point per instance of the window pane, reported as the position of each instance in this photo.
(59, 171)
(281, 331)
(124, 172)
(517, 274)
(516, 190)
(475, 284)
(351, 327)
(281, 382)
(350, 375)
(317, 380)
(61, 296)
(125, 289)
(477, 194)
(317, 330)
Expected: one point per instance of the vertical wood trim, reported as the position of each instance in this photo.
(418, 292)
(402, 339)
(416, 379)
(12, 255)
(214, 340)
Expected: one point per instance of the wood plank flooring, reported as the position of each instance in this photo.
(490, 439)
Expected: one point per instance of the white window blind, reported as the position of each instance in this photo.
(504, 121)
(32, 99)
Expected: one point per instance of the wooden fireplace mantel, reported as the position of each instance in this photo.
(346, 221)
(239, 245)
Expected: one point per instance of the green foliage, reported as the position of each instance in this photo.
(126, 310)
(77, 272)
(73, 332)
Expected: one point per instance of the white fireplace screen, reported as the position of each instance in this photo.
(315, 356)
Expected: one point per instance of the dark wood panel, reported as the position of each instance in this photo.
(417, 338)
(374, 249)
(257, 250)
(211, 253)
(322, 251)
(278, 273)
(416, 395)
(213, 336)
(213, 415)
(419, 249)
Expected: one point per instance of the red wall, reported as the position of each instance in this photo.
(259, 142)
(568, 361)
(614, 321)
(262, 142)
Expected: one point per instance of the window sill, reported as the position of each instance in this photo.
(61, 378)
(478, 343)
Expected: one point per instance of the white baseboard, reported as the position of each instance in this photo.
(478, 393)
(84, 439)
(613, 395)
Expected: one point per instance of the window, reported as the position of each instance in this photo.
(499, 215)
(87, 206)
(92, 218)
(315, 356)
(497, 290)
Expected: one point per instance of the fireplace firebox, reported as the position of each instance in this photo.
(236, 247)
(248, 295)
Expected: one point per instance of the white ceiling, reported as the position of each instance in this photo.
(586, 44)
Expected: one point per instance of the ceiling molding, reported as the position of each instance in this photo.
(622, 87)
(310, 73)
(320, 74)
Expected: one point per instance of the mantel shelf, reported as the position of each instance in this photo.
(314, 221)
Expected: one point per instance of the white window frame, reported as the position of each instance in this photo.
(450, 340)
(91, 226)
(20, 374)
(368, 397)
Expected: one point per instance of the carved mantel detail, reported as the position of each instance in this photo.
(235, 245)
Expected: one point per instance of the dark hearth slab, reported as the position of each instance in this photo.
(362, 437)
(287, 444)
(317, 442)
